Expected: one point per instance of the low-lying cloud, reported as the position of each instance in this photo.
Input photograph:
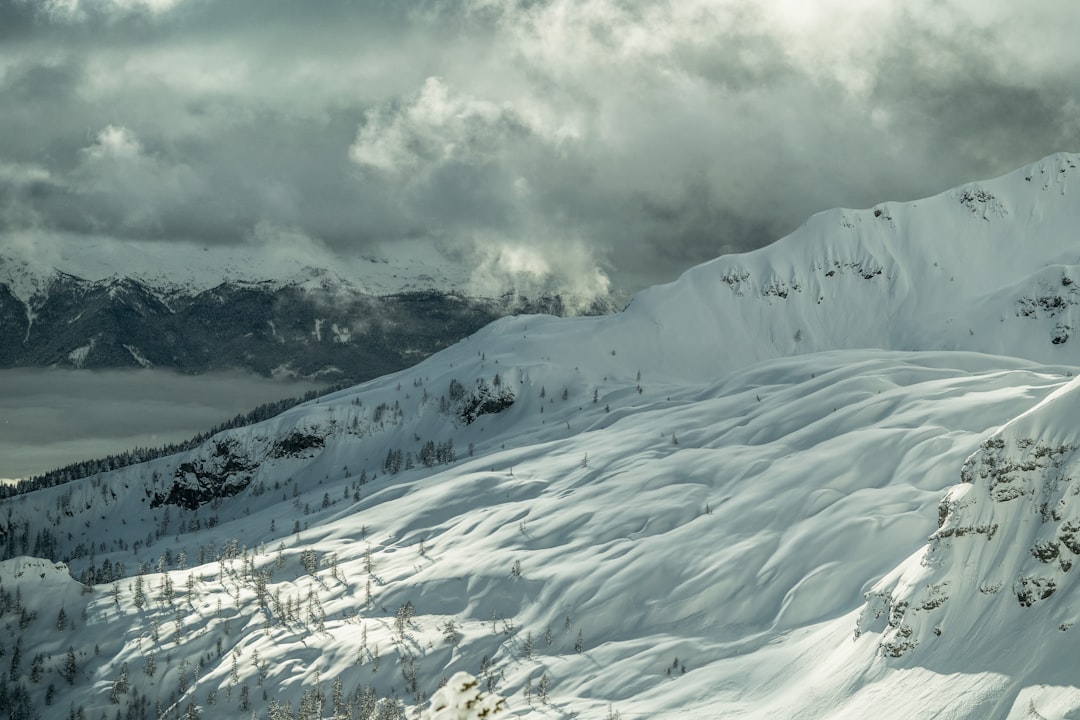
(52, 417)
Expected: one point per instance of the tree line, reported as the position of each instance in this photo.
(88, 468)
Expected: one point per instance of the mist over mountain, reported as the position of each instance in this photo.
(831, 478)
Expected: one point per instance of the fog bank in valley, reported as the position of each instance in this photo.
(51, 417)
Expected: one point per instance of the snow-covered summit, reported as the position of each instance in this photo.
(990, 266)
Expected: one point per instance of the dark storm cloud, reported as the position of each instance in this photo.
(575, 139)
(964, 98)
(16, 20)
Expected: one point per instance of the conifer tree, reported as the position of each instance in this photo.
(71, 667)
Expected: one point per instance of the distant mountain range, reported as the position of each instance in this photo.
(832, 478)
(297, 321)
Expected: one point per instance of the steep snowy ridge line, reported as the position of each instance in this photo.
(929, 274)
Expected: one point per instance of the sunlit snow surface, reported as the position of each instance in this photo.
(741, 546)
(741, 473)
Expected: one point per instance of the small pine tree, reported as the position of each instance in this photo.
(140, 592)
(16, 658)
(543, 687)
(450, 632)
(37, 668)
(71, 667)
(119, 686)
(402, 617)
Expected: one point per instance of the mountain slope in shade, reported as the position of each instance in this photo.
(313, 323)
(714, 504)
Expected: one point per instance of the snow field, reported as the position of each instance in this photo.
(723, 502)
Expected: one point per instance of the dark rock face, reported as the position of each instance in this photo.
(485, 400)
(13, 325)
(226, 472)
(296, 444)
(263, 328)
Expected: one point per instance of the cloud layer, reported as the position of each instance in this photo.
(52, 417)
(586, 140)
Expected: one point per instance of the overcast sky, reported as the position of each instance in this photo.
(619, 138)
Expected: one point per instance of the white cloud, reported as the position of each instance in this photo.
(134, 186)
(114, 143)
(23, 173)
(659, 134)
(438, 125)
(547, 266)
(80, 10)
(285, 250)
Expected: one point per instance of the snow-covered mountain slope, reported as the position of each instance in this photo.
(990, 266)
(996, 574)
(689, 522)
(714, 504)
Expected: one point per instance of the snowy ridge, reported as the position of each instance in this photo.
(182, 269)
(989, 267)
(681, 510)
(1007, 540)
(271, 309)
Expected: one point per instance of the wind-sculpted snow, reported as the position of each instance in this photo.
(674, 535)
(1006, 544)
(684, 510)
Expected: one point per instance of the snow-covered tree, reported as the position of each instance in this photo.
(462, 699)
